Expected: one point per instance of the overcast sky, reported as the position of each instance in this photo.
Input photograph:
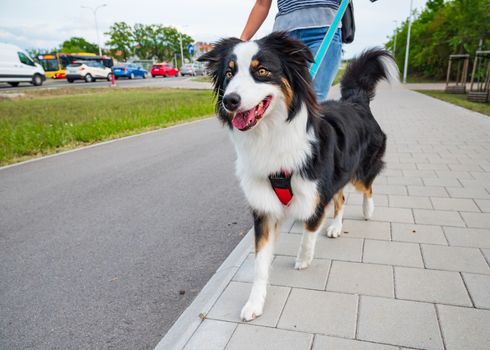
(45, 24)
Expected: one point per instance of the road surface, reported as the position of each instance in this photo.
(103, 248)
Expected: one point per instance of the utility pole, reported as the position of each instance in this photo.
(405, 68)
(94, 11)
(396, 32)
(181, 51)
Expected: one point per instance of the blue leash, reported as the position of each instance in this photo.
(322, 50)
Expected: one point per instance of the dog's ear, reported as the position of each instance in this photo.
(217, 54)
(290, 49)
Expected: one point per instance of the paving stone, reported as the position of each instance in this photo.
(418, 233)
(320, 312)
(410, 202)
(399, 322)
(246, 271)
(456, 204)
(465, 167)
(298, 227)
(404, 180)
(231, 301)
(427, 191)
(479, 175)
(249, 337)
(476, 183)
(401, 166)
(464, 328)
(432, 166)
(469, 192)
(437, 217)
(349, 249)
(454, 259)
(366, 229)
(380, 214)
(357, 278)
(454, 174)
(287, 245)
(432, 286)
(323, 342)
(468, 237)
(391, 172)
(392, 253)
(483, 204)
(284, 274)
(486, 254)
(447, 182)
(211, 335)
(479, 289)
(355, 198)
(390, 189)
(477, 219)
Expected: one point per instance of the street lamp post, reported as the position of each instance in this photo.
(94, 11)
(396, 31)
(405, 68)
(181, 51)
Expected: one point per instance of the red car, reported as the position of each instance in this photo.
(164, 69)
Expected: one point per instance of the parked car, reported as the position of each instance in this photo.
(129, 71)
(16, 67)
(164, 69)
(89, 71)
(192, 69)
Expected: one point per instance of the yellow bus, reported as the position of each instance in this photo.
(54, 64)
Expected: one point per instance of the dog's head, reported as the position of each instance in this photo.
(252, 79)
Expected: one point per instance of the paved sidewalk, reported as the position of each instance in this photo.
(415, 277)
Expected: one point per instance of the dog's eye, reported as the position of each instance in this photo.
(228, 75)
(262, 72)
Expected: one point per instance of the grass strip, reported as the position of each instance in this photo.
(459, 100)
(47, 121)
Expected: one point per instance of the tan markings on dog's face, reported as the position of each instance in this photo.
(231, 64)
(287, 91)
(363, 188)
(338, 201)
(254, 64)
(264, 235)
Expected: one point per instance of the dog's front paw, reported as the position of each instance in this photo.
(368, 208)
(302, 263)
(251, 311)
(334, 230)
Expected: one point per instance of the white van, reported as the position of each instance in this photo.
(16, 66)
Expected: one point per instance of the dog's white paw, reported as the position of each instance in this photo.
(367, 208)
(251, 310)
(302, 263)
(334, 230)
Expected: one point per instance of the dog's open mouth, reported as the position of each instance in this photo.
(248, 119)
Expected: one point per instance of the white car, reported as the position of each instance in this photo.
(87, 70)
(16, 67)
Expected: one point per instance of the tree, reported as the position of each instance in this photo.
(441, 29)
(77, 44)
(121, 40)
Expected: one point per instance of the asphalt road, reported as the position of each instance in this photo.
(157, 82)
(96, 245)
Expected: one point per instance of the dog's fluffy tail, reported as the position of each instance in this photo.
(364, 73)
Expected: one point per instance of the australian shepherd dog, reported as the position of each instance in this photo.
(295, 155)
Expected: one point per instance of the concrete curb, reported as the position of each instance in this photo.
(185, 326)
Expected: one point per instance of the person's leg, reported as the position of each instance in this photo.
(313, 37)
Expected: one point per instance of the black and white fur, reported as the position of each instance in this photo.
(265, 98)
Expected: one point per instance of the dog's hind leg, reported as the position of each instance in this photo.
(266, 231)
(335, 228)
(367, 201)
(311, 229)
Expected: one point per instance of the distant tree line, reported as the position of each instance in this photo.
(146, 41)
(441, 29)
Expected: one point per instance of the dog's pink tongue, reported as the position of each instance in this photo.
(242, 119)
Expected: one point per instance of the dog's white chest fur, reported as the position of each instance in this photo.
(277, 145)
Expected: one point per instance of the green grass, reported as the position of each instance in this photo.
(48, 121)
(338, 77)
(202, 79)
(459, 100)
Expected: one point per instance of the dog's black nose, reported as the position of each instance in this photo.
(232, 101)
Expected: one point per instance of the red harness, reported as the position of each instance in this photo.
(281, 184)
